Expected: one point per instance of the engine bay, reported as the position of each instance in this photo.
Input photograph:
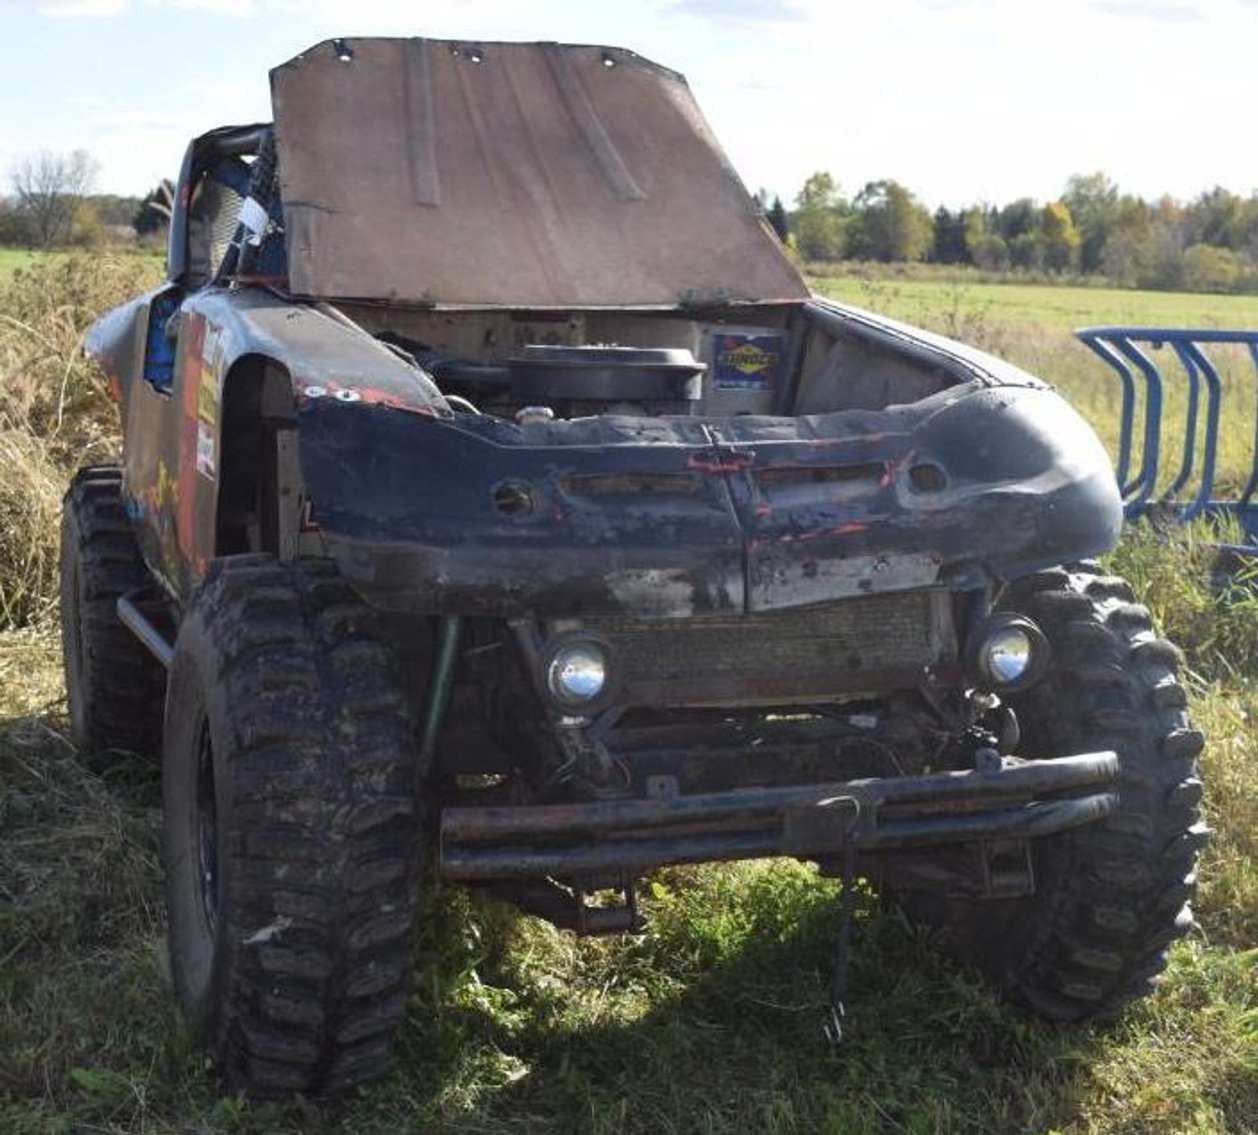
(776, 359)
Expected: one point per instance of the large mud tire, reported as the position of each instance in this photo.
(114, 687)
(290, 829)
(1111, 896)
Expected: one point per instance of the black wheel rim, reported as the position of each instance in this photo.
(205, 823)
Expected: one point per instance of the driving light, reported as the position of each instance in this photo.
(1009, 653)
(576, 673)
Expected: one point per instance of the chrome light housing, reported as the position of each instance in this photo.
(1007, 653)
(577, 672)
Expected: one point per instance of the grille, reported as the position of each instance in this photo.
(867, 643)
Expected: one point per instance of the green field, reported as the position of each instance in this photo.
(709, 1022)
(1039, 305)
(1033, 326)
(12, 259)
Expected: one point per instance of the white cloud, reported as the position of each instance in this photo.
(81, 9)
(134, 120)
(134, 159)
(1148, 10)
(745, 12)
(200, 99)
(214, 7)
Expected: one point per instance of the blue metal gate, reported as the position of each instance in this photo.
(1182, 484)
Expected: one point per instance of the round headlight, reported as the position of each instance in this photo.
(1009, 653)
(576, 674)
(1006, 655)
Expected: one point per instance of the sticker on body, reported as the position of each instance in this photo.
(746, 362)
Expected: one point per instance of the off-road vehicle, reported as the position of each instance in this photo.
(498, 502)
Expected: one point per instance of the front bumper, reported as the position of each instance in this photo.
(1004, 799)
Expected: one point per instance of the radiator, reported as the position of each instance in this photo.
(871, 643)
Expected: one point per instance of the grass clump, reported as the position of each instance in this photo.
(54, 412)
(1227, 898)
(1206, 606)
(30, 513)
(80, 987)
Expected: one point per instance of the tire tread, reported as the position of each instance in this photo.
(116, 688)
(320, 915)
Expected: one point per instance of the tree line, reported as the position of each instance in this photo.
(51, 203)
(1209, 244)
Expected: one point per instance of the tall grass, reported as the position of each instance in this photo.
(1207, 606)
(54, 413)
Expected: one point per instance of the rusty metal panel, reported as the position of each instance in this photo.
(519, 175)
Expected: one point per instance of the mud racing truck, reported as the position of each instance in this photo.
(498, 505)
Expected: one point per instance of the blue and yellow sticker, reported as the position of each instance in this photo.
(746, 362)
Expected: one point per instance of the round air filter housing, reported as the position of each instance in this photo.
(606, 374)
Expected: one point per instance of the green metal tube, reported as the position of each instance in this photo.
(439, 690)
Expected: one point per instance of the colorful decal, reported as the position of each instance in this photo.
(205, 451)
(207, 403)
(158, 505)
(306, 518)
(746, 362)
(161, 496)
(365, 394)
(192, 343)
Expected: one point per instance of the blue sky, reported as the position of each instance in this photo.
(962, 100)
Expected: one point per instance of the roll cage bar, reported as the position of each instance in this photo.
(202, 155)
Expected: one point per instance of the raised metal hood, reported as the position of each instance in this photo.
(544, 175)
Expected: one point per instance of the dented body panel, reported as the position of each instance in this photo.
(174, 429)
(742, 515)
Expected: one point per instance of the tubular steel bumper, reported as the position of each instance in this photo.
(1013, 799)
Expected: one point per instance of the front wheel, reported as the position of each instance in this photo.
(290, 829)
(1110, 896)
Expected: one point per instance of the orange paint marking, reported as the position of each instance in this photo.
(189, 402)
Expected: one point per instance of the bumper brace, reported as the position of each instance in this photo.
(1005, 799)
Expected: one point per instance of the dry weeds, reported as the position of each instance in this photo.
(54, 412)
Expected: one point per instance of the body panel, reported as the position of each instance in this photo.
(174, 431)
(521, 175)
(709, 517)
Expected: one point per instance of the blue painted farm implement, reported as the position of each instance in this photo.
(1189, 380)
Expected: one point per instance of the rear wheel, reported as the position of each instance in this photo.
(114, 687)
(1111, 896)
(290, 828)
